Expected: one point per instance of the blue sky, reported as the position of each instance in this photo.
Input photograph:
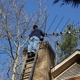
(66, 11)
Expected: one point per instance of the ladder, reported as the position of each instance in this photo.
(29, 66)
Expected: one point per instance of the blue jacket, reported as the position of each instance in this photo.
(38, 33)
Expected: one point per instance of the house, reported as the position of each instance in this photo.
(69, 69)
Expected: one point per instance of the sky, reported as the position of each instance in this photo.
(66, 11)
(65, 14)
(60, 15)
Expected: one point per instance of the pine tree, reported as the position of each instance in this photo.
(69, 40)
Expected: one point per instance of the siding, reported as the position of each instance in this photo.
(71, 72)
(75, 78)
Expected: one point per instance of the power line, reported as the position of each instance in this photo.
(51, 24)
(65, 24)
(59, 23)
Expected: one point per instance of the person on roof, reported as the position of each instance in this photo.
(35, 39)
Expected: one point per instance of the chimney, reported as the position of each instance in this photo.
(44, 63)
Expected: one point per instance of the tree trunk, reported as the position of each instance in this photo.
(14, 72)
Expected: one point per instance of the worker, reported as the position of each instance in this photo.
(34, 39)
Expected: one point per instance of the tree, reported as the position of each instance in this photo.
(69, 40)
(15, 25)
(75, 3)
(13, 20)
(41, 15)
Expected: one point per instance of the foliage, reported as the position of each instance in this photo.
(14, 30)
(69, 40)
(13, 21)
(75, 3)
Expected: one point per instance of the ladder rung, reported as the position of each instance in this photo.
(27, 67)
(31, 58)
(26, 74)
(29, 62)
(25, 77)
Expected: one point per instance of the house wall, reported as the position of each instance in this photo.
(70, 73)
(75, 78)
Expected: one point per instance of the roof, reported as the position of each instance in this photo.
(66, 63)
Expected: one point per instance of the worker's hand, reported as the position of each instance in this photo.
(45, 34)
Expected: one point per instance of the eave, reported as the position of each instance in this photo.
(66, 63)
